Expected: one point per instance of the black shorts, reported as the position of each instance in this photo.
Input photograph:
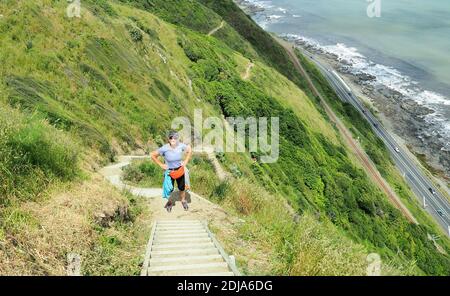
(180, 181)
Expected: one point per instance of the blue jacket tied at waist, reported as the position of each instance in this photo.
(168, 186)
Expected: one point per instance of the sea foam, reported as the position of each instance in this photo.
(387, 76)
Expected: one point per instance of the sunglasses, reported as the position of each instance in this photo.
(172, 138)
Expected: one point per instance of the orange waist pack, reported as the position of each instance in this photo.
(175, 174)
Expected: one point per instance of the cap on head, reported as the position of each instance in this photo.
(173, 135)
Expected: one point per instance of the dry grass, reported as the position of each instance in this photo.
(39, 235)
(245, 199)
(267, 241)
(321, 250)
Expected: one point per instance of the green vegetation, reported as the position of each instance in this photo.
(272, 53)
(88, 88)
(143, 174)
(33, 154)
(189, 14)
(313, 173)
(119, 250)
(204, 180)
(373, 146)
(195, 16)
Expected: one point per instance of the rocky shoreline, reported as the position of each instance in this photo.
(249, 7)
(403, 117)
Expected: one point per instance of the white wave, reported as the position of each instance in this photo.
(258, 3)
(267, 7)
(388, 77)
(274, 17)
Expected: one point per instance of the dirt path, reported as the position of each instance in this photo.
(220, 172)
(201, 208)
(222, 23)
(247, 71)
(366, 162)
(206, 255)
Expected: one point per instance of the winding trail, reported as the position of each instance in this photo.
(180, 242)
(364, 159)
(222, 175)
(247, 71)
(222, 23)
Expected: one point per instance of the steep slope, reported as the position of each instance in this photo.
(115, 78)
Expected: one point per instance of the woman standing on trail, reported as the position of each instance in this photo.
(173, 155)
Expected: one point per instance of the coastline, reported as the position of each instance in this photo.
(403, 117)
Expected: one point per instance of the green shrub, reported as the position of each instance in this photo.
(29, 45)
(192, 52)
(39, 146)
(135, 34)
(133, 174)
(143, 173)
(235, 171)
(190, 14)
(100, 7)
(150, 169)
(221, 190)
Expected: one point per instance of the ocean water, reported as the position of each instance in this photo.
(407, 48)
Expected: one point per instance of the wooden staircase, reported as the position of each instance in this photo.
(185, 247)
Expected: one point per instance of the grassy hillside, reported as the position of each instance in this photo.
(193, 15)
(373, 145)
(85, 90)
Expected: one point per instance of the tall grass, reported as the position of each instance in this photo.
(33, 154)
(309, 245)
(109, 83)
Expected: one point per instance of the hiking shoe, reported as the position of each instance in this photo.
(185, 205)
(168, 206)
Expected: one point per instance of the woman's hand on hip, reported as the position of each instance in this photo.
(164, 166)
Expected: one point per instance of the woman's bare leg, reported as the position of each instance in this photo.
(183, 195)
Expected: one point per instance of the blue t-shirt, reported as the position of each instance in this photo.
(174, 156)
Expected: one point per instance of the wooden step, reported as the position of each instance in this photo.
(179, 222)
(187, 247)
(178, 233)
(179, 228)
(180, 236)
(183, 260)
(182, 247)
(178, 241)
(227, 273)
(177, 253)
(189, 268)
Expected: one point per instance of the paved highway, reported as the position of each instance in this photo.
(436, 204)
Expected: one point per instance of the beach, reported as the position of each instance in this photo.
(418, 125)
